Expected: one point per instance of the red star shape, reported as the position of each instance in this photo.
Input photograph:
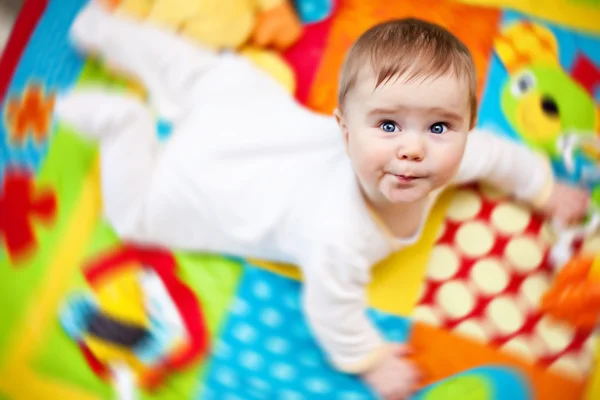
(20, 204)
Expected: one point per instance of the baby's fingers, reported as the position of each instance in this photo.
(401, 349)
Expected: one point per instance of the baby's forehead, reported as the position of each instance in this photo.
(447, 88)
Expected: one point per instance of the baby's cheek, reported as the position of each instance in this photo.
(370, 160)
(447, 165)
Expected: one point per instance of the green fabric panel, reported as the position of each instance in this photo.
(213, 278)
(67, 163)
(60, 357)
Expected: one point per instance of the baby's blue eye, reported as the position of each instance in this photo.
(438, 128)
(388, 126)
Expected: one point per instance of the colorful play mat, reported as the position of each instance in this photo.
(466, 297)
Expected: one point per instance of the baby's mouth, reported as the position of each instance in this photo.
(406, 178)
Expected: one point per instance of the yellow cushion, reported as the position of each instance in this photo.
(274, 65)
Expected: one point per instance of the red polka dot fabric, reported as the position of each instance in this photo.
(487, 273)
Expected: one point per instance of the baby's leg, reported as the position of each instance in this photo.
(129, 148)
(167, 65)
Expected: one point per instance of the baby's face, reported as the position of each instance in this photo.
(405, 139)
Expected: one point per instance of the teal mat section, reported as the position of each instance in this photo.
(50, 61)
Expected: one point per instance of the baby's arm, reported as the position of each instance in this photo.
(335, 305)
(520, 171)
(508, 165)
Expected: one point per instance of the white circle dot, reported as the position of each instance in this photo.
(443, 263)
(251, 360)
(283, 372)
(259, 384)
(465, 205)
(555, 335)
(351, 396)
(230, 396)
(505, 315)
(226, 377)
(277, 345)
(473, 330)
(456, 299)
(510, 218)
(290, 395)
(244, 332)
(490, 276)
(534, 287)
(240, 307)
(519, 347)
(271, 317)
(261, 290)
(524, 254)
(426, 315)
(475, 239)
(567, 365)
(317, 385)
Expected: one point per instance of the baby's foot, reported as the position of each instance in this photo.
(97, 113)
(123, 46)
(90, 27)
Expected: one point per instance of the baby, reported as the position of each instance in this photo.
(248, 171)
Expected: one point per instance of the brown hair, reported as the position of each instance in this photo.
(410, 48)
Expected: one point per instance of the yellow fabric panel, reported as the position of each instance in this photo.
(120, 296)
(17, 378)
(109, 353)
(273, 64)
(397, 280)
(593, 390)
(578, 14)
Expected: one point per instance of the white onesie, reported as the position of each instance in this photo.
(250, 172)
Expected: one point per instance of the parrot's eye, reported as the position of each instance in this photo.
(522, 83)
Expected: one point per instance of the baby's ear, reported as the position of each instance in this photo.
(339, 117)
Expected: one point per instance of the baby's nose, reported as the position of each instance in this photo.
(411, 156)
(411, 149)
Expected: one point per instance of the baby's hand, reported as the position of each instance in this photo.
(567, 205)
(394, 378)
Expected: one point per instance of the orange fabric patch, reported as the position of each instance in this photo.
(30, 114)
(475, 26)
(440, 354)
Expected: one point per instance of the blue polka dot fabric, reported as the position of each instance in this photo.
(266, 351)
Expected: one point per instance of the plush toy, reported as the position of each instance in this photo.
(138, 323)
(541, 100)
(270, 26)
(314, 11)
(575, 294)
(226, 24)
(554, 111)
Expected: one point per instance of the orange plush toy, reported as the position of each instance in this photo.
(258, 29)
(223, 24)
(575, 295)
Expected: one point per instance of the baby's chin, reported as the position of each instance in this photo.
(405, 195)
